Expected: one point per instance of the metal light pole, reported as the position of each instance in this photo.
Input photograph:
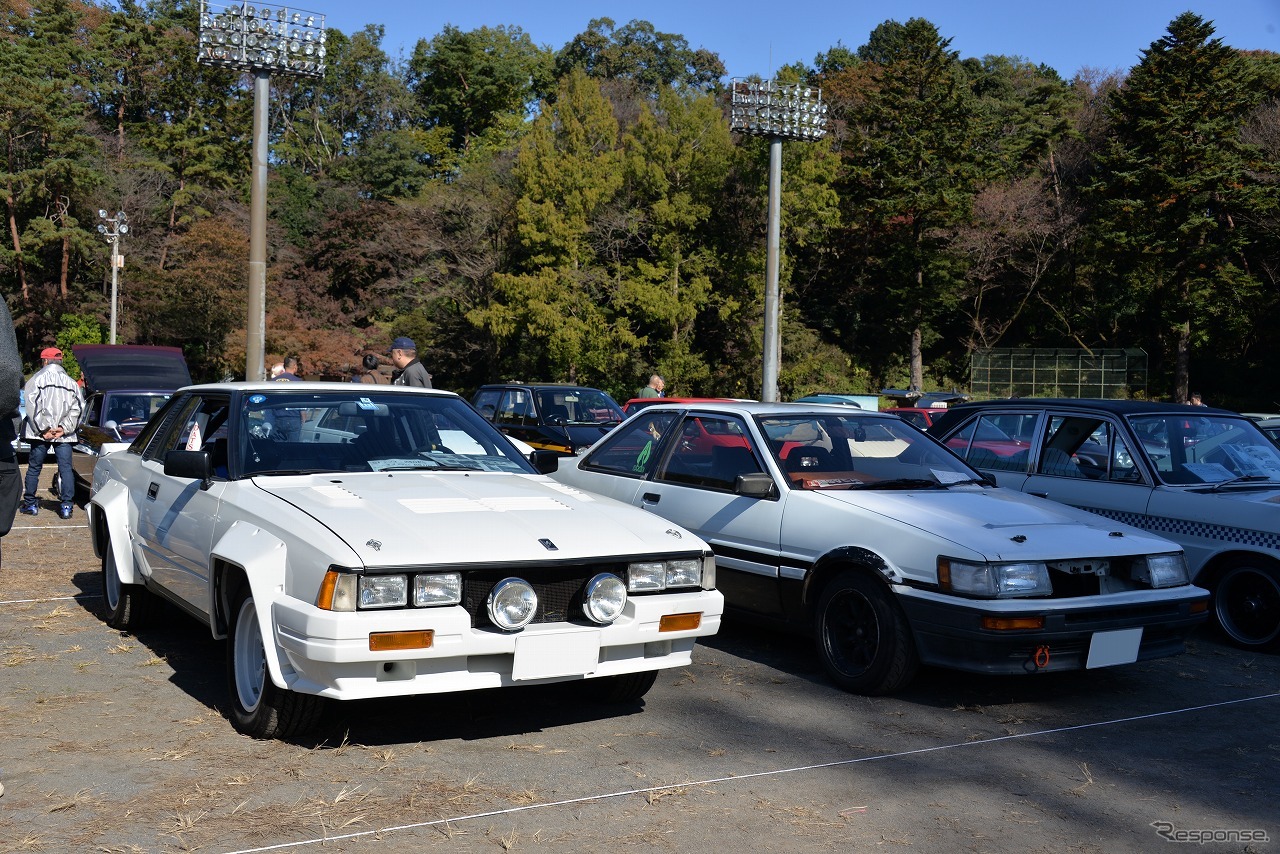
(776, 111)
(261, 39)
(112, 228)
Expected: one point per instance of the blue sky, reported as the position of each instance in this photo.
(754, 37)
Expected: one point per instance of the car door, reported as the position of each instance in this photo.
(176, 516)
(693, 485)
(1087, 460)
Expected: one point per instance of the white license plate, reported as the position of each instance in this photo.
(1118, 647)
(546, 656)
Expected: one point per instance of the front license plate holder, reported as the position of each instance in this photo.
(1116, 647)
(553, 654)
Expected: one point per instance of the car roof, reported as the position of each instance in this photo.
(758, 408)
(538, 385)
(957, 412)
(315, 386)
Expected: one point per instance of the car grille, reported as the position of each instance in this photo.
(559, 589)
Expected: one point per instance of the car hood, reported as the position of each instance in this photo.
(107, 367)
(992, 521)
(403, 518)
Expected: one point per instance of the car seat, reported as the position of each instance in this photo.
(807, 459)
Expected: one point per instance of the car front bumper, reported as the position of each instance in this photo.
(949, 631)
(328, 652)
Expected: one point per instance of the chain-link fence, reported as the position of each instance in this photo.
(1025, 372)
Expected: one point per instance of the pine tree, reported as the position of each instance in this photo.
(1177, 187)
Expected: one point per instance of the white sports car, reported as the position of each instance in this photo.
(354, 541)
(892, 551)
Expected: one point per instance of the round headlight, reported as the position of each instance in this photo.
(606, 597)
(512, 604)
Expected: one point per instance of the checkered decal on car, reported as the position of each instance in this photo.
(1177, 529)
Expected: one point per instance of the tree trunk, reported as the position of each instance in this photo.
(917, 360)
(1182, 363)
(64, 273)
(17, 245)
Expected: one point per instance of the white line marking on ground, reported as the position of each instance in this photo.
(779, 771)
(51, 599)
(47, 527)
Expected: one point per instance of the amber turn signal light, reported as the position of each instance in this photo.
(1000, 624)
(680, 622)
(385, 641)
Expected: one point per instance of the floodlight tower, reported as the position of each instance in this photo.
(261, 40)
(113, 228)
(777, 111)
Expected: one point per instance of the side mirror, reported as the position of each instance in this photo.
(755, 485)
(546, 462)
(195, 465)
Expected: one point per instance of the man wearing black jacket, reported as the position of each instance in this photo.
(10, 386)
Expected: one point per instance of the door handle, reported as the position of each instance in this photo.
(1039, 494)
(651, 498)
(152, 490)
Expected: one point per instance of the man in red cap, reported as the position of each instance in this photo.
(54, 403)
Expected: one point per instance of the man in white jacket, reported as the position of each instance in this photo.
(54, 403)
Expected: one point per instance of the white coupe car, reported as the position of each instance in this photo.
(892, 551)
(354, 541)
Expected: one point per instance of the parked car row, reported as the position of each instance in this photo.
(355, 542)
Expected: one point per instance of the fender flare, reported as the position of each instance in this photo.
(109, 523)
(831, 562)
(260, 558)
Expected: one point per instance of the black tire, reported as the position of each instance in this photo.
(863, 637)
(258, 708)
(129, 606)
(1246, 605)
(624, 688)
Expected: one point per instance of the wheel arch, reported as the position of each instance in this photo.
(248, 556)
(1212, 570)
(109, 526)
(835, 562)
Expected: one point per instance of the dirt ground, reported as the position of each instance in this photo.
(116, 743)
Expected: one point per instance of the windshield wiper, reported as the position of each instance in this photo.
(1240, 478)
(902, 483)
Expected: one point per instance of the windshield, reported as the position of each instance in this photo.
(857, 451)
(578, 406)
(360, 430)
(1214, 449)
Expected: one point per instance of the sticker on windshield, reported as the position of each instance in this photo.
(257, 399)
(366, 403)
(950, 476)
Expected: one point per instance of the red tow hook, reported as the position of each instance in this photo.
(1042, 657)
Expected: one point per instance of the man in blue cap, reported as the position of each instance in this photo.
(409, 371)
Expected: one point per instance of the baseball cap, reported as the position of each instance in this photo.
(50, 353)
(403, 344)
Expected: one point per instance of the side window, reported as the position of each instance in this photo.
(634, 449)
(1122, 467)
(1072, 448)
(516, 408)
(487, 402)
(710, 452)
(168, 431)
(203, 423)
(985, 445)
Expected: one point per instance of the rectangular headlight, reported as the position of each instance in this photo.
(994, 581)
(443, 588)
(684, 573)
(1162, 570)
(384, 591)
(650, 575)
